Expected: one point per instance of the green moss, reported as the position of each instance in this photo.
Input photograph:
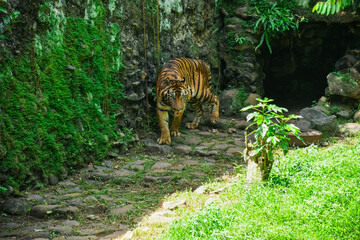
(59, 100)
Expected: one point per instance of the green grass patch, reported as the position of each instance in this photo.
(312, 193)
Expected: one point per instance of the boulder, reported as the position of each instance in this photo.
(226, 101)
(345, 62)
(319, 120)
(326, 125)
(350, 129)
(345, 88)
(312, 113)
(251, 100)
(153, 147)
(357, 116)
(16, 206)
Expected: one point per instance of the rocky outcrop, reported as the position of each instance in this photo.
(320, 121)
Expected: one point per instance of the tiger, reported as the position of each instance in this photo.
(179, 82)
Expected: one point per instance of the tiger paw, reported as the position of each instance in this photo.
(166, 141)
(175, 133)
(192, 125)
(214, 118)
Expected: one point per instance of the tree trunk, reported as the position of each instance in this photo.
(258, 166)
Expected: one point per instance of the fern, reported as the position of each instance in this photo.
(273, 21)
(334, 6)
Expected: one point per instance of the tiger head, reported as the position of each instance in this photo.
(177, 94)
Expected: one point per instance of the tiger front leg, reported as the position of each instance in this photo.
(199, 112)
(163, 119)
(174, 130)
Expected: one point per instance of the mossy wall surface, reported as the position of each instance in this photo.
(60, 98)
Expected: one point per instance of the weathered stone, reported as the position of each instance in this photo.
(357, 116)
(95, 209)
(242, 124)
(16, 206)
(344, 114)
(220, 146)
(350, 129)
(123, 211)
(234, 151)
(53, 180)
(251, 100)
(65, 212)
(62, 230)
(206, 153)
(182, 149)
(109, 164)
(71, 223)
(226, 99)
(310, 136)
(158, 179)
(42, 211)
(312, 113)
(170, 205)
(123, 173)
(34, 198)
(345, 62)
(75, 202)
(191, 162)
(340, 87)
(91, 199)
(157, 148)
(66, 183)
(303, 124)
(322, 101)
(161, 165)
(75, 190)
(326, 125)
(322, 109)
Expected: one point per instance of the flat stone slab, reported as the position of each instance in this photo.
(182, 149)
(161, 165)
(41, 211)
(310, 136)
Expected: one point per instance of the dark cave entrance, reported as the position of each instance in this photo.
(295, 72)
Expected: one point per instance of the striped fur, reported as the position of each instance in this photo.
(182, 81)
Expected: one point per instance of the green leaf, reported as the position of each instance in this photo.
(3, 10)
(337, 6)
(328, 9)
(324, 9)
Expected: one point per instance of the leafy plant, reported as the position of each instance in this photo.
(346, 78)
(334, 6)
(7, 20)
(271, 132)
(273, 20)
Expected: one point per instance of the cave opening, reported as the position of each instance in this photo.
(295, 72)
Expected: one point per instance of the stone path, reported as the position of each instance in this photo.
(107, 201)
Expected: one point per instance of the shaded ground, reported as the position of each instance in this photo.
(103, 202)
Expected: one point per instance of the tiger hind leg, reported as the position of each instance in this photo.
(199, 112)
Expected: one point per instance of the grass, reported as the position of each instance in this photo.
(312, 193)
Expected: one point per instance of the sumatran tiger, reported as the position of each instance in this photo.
(182, 81)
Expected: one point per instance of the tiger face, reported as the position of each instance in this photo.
(178, 95)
